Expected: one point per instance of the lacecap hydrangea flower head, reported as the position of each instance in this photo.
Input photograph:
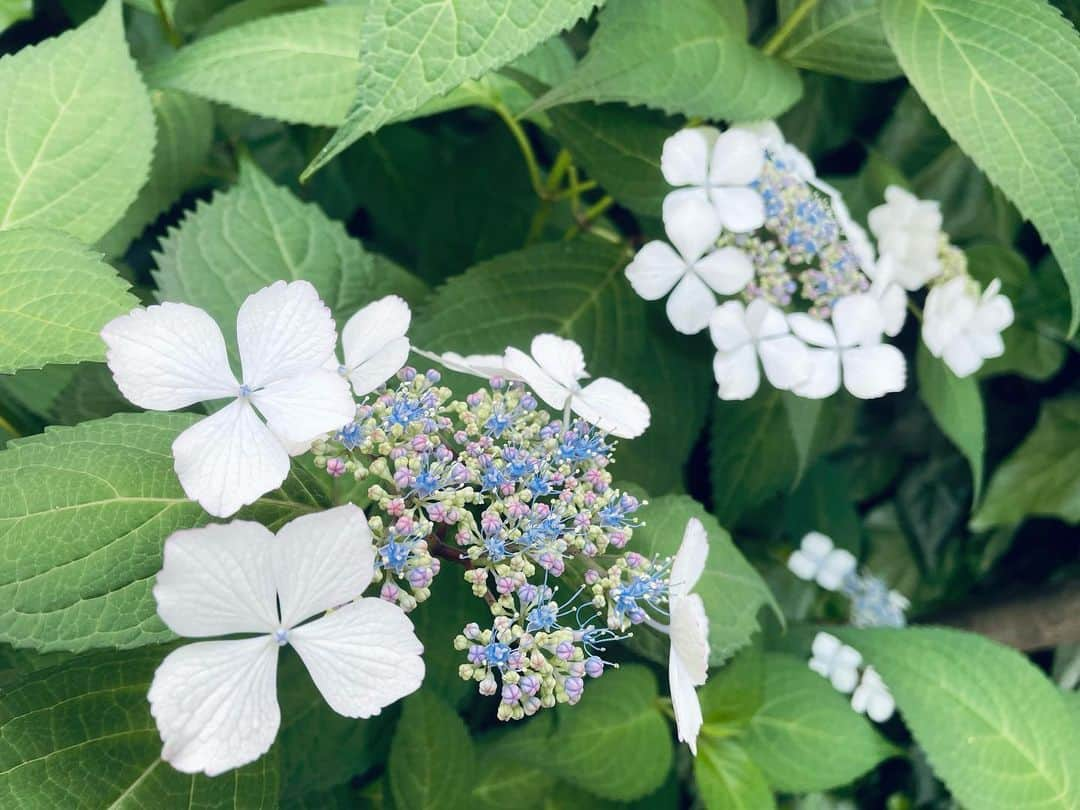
(766, 256)
(520, 499)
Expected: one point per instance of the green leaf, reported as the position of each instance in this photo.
(105, 496)
(590, 748)
(753, 454)
(412, 51)
(731, 589)
(822, 502)
(300, 67)
(78, 129)
(242, 11)
(11, 11)
(806, 736)
(1039, 478)
(842, 37)
(995, 730)
(691, 59)
(80, 734)
(1009, 95)
(185, 130)
(438, 621)
(55, 295)
(728, 780)
(957, 408)
(731, 696)
(432, 761)
(586, 299)
(620, 148)
(257, 233)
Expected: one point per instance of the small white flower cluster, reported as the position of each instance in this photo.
(838, 662)
(749, 221)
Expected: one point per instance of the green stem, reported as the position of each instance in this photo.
(914, 309)
(782, 33)
(593, 212)
(170, 30)
(526, 149)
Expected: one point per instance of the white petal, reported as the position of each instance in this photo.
(857, 319)
(880, 707)
(736, 373)
(825, 646)
(229, 459)
(612, 407)
(478, 365)
(690, 636)
(321, 561)
(874, 371)
(362, 657)
(692, 226)
(741, 210)
(306, 405)
(684, 702)
(847, 658)
(803, 565)
(813, 330)
(684, 160)
(844, 678)
(995, 312)
(824, 379)
(375, 343)
(689, 562)
(817, 545)
(560, 357)
(215, 703)
(218, 580)
(680, 196)
(376, 370)
(765, 320)
(836, 566)
(737, 158)
(962, 356)
(168, 356)
(786, 361)
(655, 270)
(893, 304)
(282, 330)
(691, 305)
(525, 368)
(728, 328)
(727, 270)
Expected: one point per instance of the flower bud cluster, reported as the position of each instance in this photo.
(519, 499)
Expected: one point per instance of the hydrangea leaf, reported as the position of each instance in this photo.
(1039, 478)
(994, 729)
(841, 37)
(620, 707)
(300, 67)
(733, 592)
(727, 779)
(412, 51)
(57, 294)
(11, 11)
(105, 496)
(805, 736)
(256, 233)
(732, 695)
(78, 128)
(585, 299)
(691, 59)
(185, 130)
(1009, 95)
(80, 734)
(432, 760)
(957, 407)
(620, 148)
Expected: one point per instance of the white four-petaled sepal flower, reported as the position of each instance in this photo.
(171, 356)
(909, 231)
(717, 168)
(374, 344)
(962, 327)
(215, 702)
(741, 335)
(694, 268)
(838, 662)
(554, 373)
(852, 345)
(818, 560)
(872, 697)
(688, 661)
